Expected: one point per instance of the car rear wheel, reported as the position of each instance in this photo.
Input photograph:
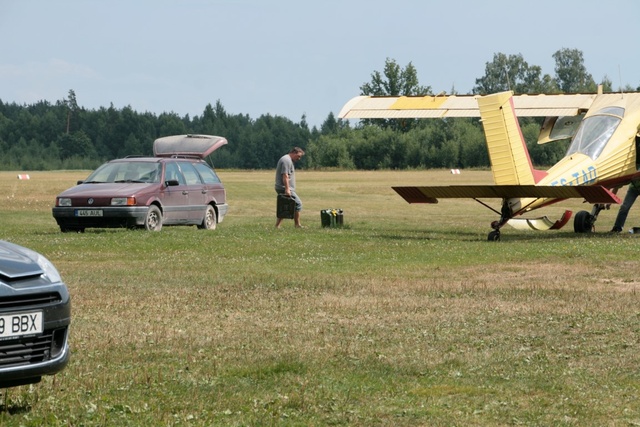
(153, 220)
(209, 222)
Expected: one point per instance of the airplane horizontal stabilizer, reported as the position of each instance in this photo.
(591, 193)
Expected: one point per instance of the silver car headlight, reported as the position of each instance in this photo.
(49, 270)
(64, 201)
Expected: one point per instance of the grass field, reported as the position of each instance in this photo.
(407, 316)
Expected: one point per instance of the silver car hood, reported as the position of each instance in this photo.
(16, 262)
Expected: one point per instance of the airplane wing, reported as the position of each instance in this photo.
(591, 193)
(432, 107)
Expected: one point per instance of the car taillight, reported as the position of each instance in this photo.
(123, 201)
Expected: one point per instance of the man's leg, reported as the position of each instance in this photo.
(278, 220)
(629, 199)
(298, 208)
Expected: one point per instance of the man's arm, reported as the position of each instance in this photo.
(285, 181)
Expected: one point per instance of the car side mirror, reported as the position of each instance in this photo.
(79, 182)
(171, 182)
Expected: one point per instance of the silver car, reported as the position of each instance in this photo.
(35, 314)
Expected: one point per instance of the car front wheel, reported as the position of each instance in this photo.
(71, 230)
(209, 222)
(153, 220)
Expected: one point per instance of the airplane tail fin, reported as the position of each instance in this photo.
(510, 161)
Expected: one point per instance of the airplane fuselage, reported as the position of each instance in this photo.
(603, 151)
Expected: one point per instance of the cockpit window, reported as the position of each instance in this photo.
(616, 111)
(595, 131)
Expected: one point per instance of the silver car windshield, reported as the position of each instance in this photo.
(595, 131)
(126, 172)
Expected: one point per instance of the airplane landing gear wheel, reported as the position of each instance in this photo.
(494, 236)
(583, 222)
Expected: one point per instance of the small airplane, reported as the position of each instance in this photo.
(602, 157)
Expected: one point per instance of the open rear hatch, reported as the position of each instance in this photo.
(187, 145)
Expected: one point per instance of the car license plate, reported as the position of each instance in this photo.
(19, 324)
(88, 212)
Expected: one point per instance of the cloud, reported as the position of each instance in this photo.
(35, 81)
(54, 68)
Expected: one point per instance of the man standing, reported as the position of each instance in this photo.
(632, 194)
(286, 181)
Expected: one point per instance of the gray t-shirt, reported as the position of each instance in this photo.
(285, 165)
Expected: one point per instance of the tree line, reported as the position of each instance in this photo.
(63, 135)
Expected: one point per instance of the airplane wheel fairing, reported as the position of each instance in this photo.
(494, 236)
(583, 222)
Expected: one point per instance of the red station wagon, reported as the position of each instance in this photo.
(176, 187)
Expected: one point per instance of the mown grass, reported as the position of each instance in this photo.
(406, 316)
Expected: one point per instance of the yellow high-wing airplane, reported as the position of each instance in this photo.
(603, 155)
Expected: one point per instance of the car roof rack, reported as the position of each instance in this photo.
(185, 156)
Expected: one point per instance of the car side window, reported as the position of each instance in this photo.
(208, 175)
(172, 172)
(190, 173)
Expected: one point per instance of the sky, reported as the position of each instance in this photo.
(290, 57)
